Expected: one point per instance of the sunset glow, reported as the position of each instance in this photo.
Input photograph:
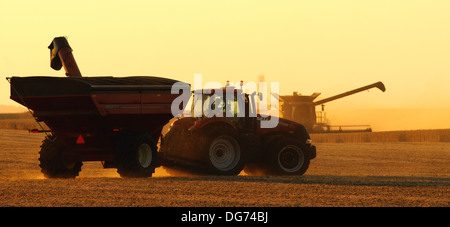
(322, 46)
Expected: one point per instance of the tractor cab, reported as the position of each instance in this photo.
(228, 103)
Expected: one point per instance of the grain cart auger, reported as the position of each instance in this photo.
(232, 140)
(302, 109)
(115, 120)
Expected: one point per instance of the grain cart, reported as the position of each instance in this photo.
(225, 144)
(115, 120)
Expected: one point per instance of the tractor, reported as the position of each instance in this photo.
(233, 139)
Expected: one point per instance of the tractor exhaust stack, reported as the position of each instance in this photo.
(61, 55)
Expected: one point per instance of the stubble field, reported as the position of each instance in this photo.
(412, 174)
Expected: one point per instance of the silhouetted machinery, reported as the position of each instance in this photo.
(302, 109)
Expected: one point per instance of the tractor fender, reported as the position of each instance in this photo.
(268, 138)
(300, 133)
(284, 126)
(204, 122)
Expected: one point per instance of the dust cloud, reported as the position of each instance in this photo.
(392, 119)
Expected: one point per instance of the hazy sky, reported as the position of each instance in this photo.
(327, 46)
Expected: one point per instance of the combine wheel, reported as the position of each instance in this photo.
(286, 157)
(52, 162)
(137, 155)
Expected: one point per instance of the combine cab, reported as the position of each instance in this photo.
(113, 120)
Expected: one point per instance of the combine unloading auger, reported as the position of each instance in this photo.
(378, 85)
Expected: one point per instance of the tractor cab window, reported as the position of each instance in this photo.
(218, 106)
(197, 105)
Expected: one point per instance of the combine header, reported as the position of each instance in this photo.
(302, 109)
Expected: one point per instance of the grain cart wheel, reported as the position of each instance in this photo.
(286, 157)
(136, 157)
(223, 151)
(52, 162)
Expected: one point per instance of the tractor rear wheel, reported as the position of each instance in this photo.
(222, 151)
(225, 155)
(136, 156)
(52, 161)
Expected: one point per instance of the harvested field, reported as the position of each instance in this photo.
(19, 121)
(412, 174)
(435, 135)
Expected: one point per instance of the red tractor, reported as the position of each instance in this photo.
(224, 145)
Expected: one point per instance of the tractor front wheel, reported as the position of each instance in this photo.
(286, 157)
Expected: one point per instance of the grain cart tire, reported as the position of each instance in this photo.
(136, 156)
(223, 151)
(286, 157)
(52, 161)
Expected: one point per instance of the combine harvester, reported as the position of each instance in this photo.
(118, 121)
(302, 109)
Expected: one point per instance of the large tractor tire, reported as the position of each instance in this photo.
(52, 160)
(136, 156)
(222, 151)
(286, 157)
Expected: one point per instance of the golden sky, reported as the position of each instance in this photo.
(327, 46)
